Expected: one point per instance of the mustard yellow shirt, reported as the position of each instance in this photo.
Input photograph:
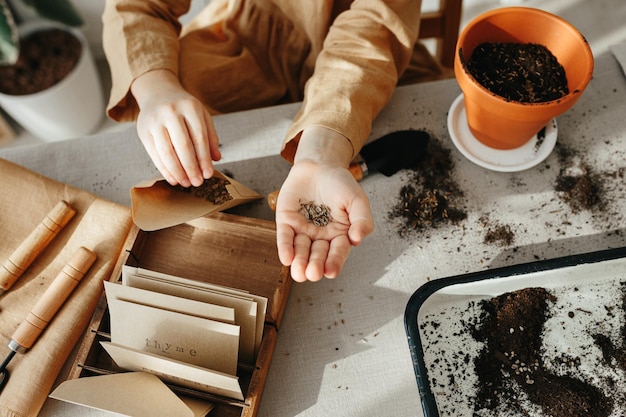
(341, 58)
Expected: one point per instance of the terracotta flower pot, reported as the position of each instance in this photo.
(501, 123)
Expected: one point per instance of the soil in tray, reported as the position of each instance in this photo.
(512, 330)
(528, 73)
(537, 352)
(46, 57)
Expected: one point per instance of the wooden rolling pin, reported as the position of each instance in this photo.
(34, 244)
(52, 299)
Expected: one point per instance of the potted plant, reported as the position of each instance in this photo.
(504, 122)
(49, 82)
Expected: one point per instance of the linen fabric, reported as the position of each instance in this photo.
(99, 225)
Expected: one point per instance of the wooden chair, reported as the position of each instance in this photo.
(443, 25)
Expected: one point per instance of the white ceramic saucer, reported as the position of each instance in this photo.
(510, 160)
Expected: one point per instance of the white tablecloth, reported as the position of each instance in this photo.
(342, 347)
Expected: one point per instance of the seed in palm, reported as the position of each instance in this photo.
(318, 214)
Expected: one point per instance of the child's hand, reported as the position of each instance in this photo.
(175, 128)
(316, 251)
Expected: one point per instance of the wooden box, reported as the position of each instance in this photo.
(223, 249)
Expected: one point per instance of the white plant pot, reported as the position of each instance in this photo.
(71, 108)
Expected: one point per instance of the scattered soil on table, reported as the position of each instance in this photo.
(528, 73)
(318, 214)
(577, 184)
(432, 197)
(496, 233)
(46, 57)
(612, 354)
(212, 189)
(541, 135)
(511, 328)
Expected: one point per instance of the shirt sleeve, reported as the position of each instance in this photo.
(138, 36)
(366, 50)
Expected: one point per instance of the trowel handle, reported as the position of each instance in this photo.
(53, 298)
(34, 244)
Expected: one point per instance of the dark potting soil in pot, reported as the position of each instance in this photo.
(46, 57)
(528, 73)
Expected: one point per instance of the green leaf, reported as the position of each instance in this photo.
(9, 44)
(59, 10)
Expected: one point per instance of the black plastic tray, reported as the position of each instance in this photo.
(419, 297)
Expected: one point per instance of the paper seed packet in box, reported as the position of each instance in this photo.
(156, 204)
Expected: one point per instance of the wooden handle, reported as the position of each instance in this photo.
(53, 298)
(355, 168)
(34, 244)
(272, 198)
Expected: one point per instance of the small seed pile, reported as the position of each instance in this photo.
(318, 214)
(212, 189)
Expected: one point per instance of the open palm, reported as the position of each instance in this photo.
(317, 251)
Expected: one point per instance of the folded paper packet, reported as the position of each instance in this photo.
(99, 225)
(134, 394)
(157, 205)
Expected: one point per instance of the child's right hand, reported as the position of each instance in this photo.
(175, 128)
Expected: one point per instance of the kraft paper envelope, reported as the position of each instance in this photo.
(261, 301)
(169, 302)
(194, 340)
(173, 278)
(133, 394)
(245, 310)
(175, 372)
(156, 205)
